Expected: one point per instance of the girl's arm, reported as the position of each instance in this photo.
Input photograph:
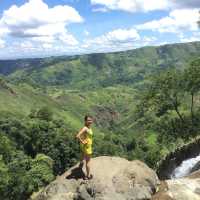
(78, 136)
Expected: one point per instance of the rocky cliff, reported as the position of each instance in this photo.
(186, 188)
(116, 178)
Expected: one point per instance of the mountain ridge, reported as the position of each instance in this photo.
(109, 52)
(101, 69)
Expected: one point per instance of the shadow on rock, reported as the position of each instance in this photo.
(76, 173)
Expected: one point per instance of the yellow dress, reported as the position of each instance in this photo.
(87, 148)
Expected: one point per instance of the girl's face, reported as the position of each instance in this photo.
(89, 121)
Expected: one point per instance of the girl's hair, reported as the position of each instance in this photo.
(86, 117)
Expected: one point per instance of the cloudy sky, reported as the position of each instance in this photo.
(37, 28)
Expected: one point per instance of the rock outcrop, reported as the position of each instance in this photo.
(167, 165)
(187, 188)
(114, 178)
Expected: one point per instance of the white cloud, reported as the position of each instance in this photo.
(36, 13)
(180, 19)
(45, 39)
(37, 21)
(39, 30)
(186, 3)
(148, 40)
(122, 35)
(133, 5)
(114, 37)
(87, 33)
(26, 45)
(28, 48)
(47, 46)
(68, 39)
(101, 9)
(117, 40)
(143, 5)
(190, 39)
(2, 43)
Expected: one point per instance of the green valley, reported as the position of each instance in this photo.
(145, 103)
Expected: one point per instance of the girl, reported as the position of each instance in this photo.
(85, 137)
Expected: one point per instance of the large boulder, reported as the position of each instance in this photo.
(113, 178)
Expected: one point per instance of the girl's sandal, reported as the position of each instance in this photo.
(90, 176)
(85, 178)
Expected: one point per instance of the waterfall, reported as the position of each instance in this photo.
(185, 167)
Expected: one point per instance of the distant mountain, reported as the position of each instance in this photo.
(103, 84)
(99, 70)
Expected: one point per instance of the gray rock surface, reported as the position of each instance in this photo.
(195, 167)
(114, 178)
(187, 188)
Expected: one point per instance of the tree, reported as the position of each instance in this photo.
(97, 59)
(4, 178)
(166, 93)
(45, 113)
(6, 148)
(40, 173)
(192, 83)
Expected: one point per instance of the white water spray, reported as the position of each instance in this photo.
(185, 167)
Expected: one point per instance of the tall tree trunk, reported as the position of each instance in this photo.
(192, 104)
(175, 103)
(179, 114)
(192, 113)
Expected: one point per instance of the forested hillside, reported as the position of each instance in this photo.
(145, 102)
(100, 70)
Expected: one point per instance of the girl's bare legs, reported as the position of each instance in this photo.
(81, 160)
(87, 158)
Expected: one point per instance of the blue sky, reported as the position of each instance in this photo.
(37, 28)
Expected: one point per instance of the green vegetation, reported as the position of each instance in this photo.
(100, 70)
(145, 102)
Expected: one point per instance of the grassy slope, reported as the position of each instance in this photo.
(100, 84)
(106, 104)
